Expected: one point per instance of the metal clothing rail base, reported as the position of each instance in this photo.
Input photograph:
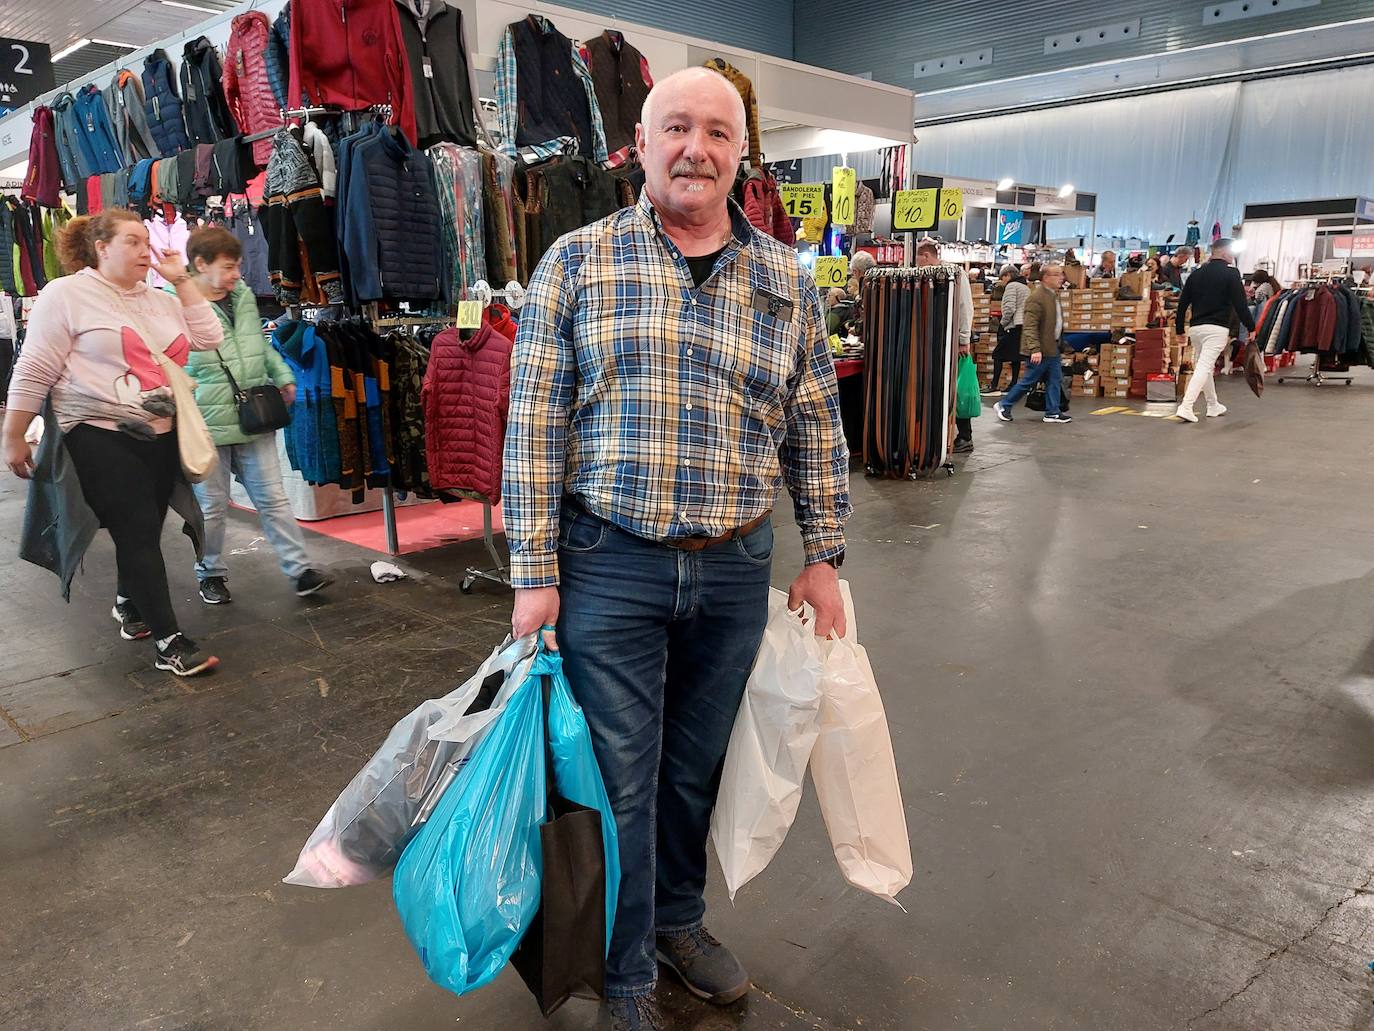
(1315, 377)
(497, 573)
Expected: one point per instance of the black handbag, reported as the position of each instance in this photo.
(261, 409)
(563, 954)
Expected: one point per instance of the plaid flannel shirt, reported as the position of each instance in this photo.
(670, 410)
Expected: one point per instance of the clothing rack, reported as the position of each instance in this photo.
(1315, 377)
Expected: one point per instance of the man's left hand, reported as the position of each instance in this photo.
(819, 587)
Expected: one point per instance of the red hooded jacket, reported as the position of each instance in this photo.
(467, 398)
(350, 54)
(763, 208)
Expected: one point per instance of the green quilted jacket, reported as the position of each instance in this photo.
(253, 361)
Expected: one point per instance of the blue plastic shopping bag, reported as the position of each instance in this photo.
(468, 885)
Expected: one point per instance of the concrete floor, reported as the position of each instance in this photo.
(1129, 671)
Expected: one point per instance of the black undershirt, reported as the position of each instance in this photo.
(700, 267)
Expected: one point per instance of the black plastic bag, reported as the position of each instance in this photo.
(563, 954)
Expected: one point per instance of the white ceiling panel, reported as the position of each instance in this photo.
(60, 23)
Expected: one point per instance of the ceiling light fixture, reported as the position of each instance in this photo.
(68, 51)
(190, 7)
(1065, 190)
(113, 43)
(1006, 184)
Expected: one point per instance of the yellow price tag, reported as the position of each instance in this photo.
(842, 186)
(469, 314)
(951, 205)
(914, 209)
(832, 272)
(803, 200)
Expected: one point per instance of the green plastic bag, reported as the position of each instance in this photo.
(968, 403)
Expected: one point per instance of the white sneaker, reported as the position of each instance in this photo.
(1217, 412)
(1186, 414)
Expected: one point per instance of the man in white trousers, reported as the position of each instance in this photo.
(1213, 292)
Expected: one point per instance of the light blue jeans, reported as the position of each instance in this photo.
(256, 466)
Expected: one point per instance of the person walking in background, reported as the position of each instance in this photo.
(89, 357)
(640, 471)
(216, 268)
(1214, 293)
(1009, 327)
(1042, 329)
(927, 254)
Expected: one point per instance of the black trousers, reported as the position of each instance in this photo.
(291, 222)
(997, 372)
(965, 427)
(128, 483)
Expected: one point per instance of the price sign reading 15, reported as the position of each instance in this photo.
(803, 200)
(832, 272)
(914, 209)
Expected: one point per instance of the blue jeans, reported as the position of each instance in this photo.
(658, 644)
(1049, 369)
(258, 468)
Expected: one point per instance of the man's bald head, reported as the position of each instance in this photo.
(693, 87)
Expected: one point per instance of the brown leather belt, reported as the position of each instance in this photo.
(702, 543)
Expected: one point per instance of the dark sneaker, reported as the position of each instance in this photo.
(1059, 419)
(637, 1014)
(215, 591)
(708, 969)
(183, 657)
(962, 446)
(1002, 413)
(131, 625)
(310, 581)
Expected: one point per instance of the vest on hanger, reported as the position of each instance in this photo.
(551, 98)
(620, 90)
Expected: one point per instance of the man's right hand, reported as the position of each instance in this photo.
(1035, 358)
(534, 608)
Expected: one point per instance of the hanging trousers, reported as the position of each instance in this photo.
(128, 483)
(296, 218)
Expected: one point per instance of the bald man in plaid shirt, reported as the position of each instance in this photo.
(671, 373)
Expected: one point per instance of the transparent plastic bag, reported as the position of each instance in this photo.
(364, 832)
(855, 772)
(468, 885)
(770, 745)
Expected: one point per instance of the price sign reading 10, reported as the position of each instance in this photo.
(914, 209)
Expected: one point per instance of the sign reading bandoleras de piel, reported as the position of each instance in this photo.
(803, 200)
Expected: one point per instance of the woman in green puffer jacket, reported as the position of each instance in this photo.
(214, 259)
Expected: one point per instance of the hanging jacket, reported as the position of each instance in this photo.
(763, 208)
(64, 124)
(441, 73)
(202, 95)
(43, 179)
(622, 79)
(1314, 321)
(100, 134)
(74, 136)
(278, 57)
(247, 85)
(54, 220)
(745, 87)
(392, 228)
(551, 98)
(467, 398)
(124, 104)
(9, 268)
(162, 105)
(253, 364)
(247, 229)
(350, 54)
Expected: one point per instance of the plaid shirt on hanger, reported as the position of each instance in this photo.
(668, 410)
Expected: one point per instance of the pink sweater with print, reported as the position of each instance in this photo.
(87, 335)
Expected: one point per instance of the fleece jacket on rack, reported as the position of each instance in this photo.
(43, 179)
(66, 151)
(441, 73)
(207, 115)
(391, 219)
(162, 105)
(467, 399)
(247, 84)
(349, 54)
(124, 104)
(251, 361)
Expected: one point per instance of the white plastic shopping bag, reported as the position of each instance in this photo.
(391, 797)
(765, 764)
(855, 771)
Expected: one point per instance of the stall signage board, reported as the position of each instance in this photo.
(914, 209)
(842, 186)
(951, 205)
(832, 272)
(803, 200)
(25, 73)
(1009, 226)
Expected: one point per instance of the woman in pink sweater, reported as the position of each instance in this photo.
(89, 350)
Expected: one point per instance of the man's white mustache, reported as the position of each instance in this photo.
(684, 168)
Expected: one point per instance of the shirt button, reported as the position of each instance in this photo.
(689, 406)
(686, 461)
(689, 352)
